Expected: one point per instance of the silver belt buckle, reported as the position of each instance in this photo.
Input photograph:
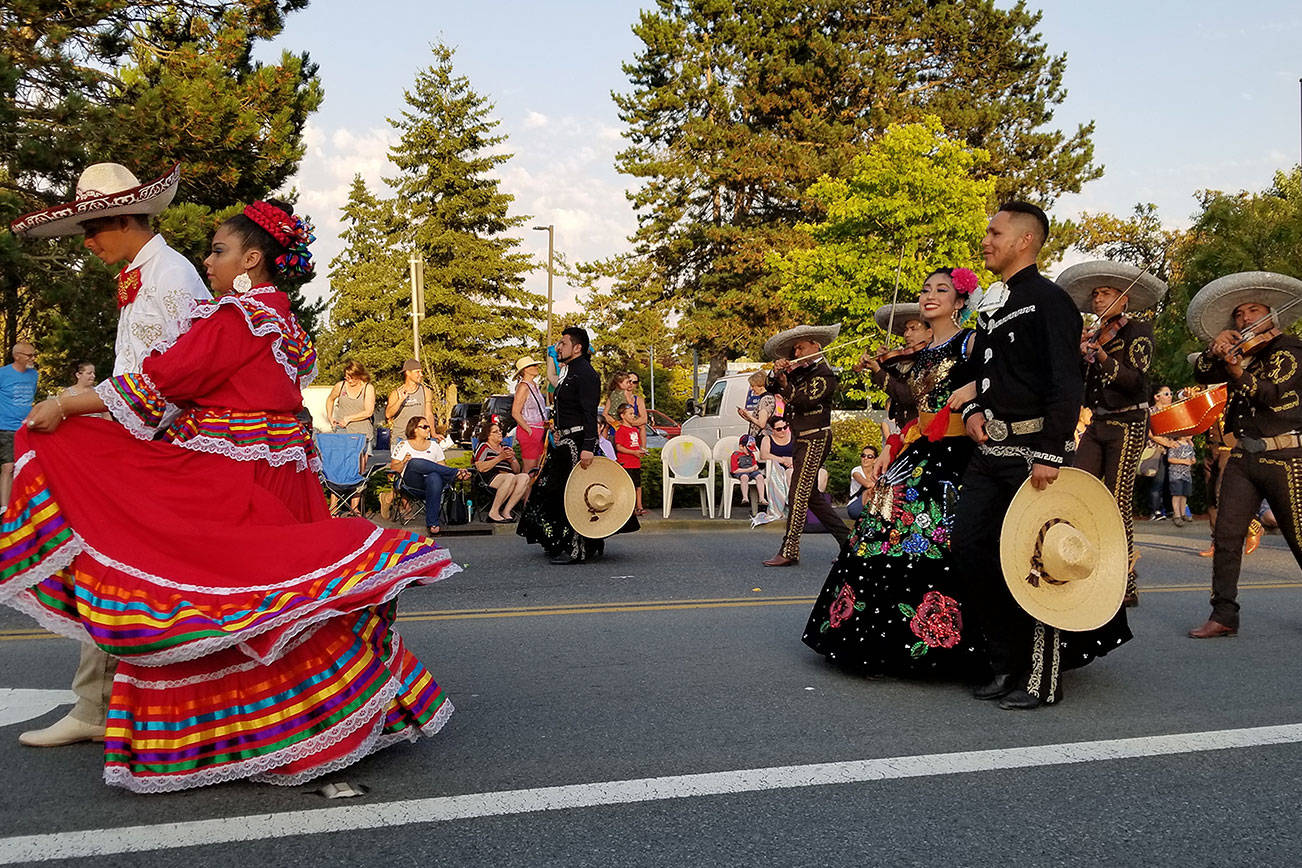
(996, 429)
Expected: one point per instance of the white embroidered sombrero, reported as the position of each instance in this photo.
(904, 311)
(103, 190)
(779, 346)
(1212, 309)
(1079, 281)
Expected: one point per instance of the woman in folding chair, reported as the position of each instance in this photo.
(500, 471)
(418, 459)
(254, 632)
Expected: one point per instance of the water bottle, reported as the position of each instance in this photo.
(470, 512)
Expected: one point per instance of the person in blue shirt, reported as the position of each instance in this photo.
(17, 392)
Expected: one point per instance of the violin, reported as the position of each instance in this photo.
(1104, 333)
(884, 355)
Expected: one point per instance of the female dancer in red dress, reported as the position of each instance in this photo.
(254, 632)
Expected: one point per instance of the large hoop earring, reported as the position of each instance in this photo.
(242, 282)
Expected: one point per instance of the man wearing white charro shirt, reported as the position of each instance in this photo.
(156, 295)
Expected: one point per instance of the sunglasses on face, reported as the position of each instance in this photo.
(781, 427)
(423, 427)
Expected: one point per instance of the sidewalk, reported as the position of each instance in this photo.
(653, 522)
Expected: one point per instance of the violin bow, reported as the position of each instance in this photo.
(1103, 316)
(895, 297)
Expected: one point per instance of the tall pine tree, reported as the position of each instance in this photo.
(736, 109)
(451, 211)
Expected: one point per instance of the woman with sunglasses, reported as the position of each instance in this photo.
(892, 604)
(419, 459)
(860, 481)
(778, 448)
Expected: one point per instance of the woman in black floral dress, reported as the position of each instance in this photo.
(893, 603)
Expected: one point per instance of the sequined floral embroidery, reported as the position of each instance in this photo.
(841, 609)
(937, 622)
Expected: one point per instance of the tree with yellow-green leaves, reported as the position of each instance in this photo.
(912, 203)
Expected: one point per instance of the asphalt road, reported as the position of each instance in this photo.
(679, 655)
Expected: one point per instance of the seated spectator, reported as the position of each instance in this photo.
(778, 447)
(744, 465)
(501, 471)
(861, 482)
(420, 461)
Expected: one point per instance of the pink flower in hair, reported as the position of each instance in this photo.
(965, 280)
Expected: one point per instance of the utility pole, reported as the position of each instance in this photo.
(550, 229)
(417, 266)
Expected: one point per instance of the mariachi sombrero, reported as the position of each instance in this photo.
(103, 190)
(1063, 551)
(1212, 309)
(1080, 281)
(779, 346)
(599, 499)
(904, 311)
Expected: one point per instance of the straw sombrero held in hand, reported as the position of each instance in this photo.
(598, 500)
(1063, 552)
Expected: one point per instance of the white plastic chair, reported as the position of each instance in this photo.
(686, 460)
(723, 450)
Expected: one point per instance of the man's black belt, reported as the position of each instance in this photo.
(575, 430)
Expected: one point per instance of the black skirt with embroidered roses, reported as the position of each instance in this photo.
(894, 601)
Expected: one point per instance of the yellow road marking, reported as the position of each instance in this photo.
(651, 606)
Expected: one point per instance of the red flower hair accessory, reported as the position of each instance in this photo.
(965, 280)
(291, 232)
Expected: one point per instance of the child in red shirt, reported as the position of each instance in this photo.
(629, 450)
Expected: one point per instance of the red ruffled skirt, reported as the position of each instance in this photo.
(254, 633)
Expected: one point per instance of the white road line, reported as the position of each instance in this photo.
(19, 705)
(139, 839)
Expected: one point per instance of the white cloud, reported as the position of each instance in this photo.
(562, 173)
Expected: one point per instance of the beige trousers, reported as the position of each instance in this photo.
(93, 685)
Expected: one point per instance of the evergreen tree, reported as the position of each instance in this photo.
(736, 109)
(451, 211)
(145, 84)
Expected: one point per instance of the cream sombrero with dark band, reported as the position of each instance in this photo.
(103, 190)
(904, 311)
(598, 500)
(1212, 309)
(1063, 551)
(1080, 281)
(779, 346)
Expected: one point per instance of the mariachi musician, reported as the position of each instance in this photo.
(1241, 317)
(808, 386)
(1115, 356)
(887, 369)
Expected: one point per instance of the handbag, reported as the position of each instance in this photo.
(1150, 460)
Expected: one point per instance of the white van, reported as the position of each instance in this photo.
(718, 417)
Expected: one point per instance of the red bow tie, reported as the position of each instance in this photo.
(128, 285)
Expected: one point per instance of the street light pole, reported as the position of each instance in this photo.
(550, 229)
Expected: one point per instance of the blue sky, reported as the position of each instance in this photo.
(1185, 96)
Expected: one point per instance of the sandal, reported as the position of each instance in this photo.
(433, 530)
